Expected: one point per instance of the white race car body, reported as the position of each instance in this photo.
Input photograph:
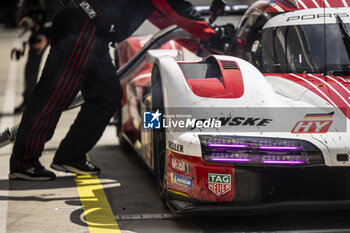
(234, 138)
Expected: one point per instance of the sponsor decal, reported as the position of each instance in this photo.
(317, 16)
(176, 147)
(151, 120)
(181, 180)
(244, 121)
(219, 184)
(236, 121)
(180, 165)
(314, 123)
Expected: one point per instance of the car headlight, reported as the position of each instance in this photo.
(259, 151)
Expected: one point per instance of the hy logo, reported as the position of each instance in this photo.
(151, 120)
(314, 123)
(219, 183)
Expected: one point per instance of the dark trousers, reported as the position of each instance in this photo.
(31, 72)
(78, 60)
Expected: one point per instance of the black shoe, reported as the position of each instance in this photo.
(81, 168)
(20, 108)
(38, 173)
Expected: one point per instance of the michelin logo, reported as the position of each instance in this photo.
(181, 180)
(151, 120)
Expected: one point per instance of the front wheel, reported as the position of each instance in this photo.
(160, 164)
(159, 137)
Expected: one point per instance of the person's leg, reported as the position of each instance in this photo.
(102, 93)
(31, 73)
(71, 44)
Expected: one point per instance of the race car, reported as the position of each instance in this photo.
(268, 132)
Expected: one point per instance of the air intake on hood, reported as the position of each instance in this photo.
(229, 65)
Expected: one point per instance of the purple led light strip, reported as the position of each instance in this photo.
(280, 147)
(231, 160)
(228, 145)
(292, 162)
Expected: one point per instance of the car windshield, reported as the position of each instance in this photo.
(306, 49)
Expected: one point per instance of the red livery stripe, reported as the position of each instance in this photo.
(332, 89)
(306, 4)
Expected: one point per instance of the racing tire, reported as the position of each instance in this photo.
(159, 137)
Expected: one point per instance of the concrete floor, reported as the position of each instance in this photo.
(128, 189)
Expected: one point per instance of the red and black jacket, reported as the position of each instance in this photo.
(183, 14)
(128, 15)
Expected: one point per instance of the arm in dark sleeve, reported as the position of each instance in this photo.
(183, 14)
(24, 9)
(162, 22)
(52, 7)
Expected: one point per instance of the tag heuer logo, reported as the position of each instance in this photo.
(219, 183)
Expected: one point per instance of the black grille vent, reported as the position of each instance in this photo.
(229, 65)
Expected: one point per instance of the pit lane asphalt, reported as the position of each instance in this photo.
(129, 188)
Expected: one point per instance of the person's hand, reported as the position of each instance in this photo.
(27, 23)
(217, 8)
(40, 43)
(223, 40)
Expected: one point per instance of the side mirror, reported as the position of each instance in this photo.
(154, 54)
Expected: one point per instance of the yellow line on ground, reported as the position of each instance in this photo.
(97, 211)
